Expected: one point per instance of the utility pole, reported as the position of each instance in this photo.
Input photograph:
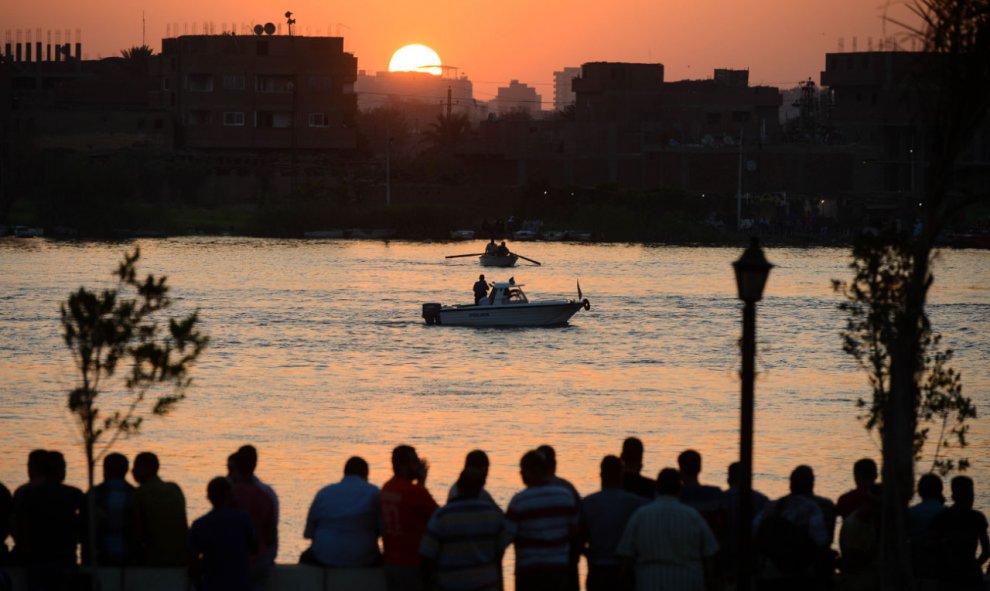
(388, 170)
(739, 186)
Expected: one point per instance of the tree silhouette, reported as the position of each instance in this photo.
(447, 132)
(952, 86)
(120, 327)
(137, 52)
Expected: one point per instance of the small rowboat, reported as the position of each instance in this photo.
(495, 260)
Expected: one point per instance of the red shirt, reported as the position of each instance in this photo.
(406, 508)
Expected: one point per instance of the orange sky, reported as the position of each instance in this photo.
(781, 42)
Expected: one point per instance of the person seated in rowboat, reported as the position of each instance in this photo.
(491, 248)
(480, 289)
(502, 250)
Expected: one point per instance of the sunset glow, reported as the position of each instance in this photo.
(415, 58)
(493, 47)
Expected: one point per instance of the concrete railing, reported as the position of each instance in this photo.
(288, 577)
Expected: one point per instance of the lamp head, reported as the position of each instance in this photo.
(752, 270)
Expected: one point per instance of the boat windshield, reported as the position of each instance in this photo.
(515, 295)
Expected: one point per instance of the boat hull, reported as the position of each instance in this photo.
(532, 314)
(491, 260)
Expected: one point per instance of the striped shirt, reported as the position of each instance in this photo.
(466, 539)
(667, 539)
(541, 522)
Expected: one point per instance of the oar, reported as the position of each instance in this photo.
(457, 256)
(526, 259)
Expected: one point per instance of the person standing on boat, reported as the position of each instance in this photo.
(480, 289)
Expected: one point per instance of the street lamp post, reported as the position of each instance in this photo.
(751, 271)
(388, 171)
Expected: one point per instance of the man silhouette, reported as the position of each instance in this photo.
(406, 509)
(480, 289)
(159, 514)
(343, 521)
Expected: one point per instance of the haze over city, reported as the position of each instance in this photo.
(781, 42)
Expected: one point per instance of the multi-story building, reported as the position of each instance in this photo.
(260, 93)
(516, 98)
(876, 105)
(383, 88)
(62, 102)
(563, 90)
(635, 99)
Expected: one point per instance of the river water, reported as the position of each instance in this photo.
(318, 353)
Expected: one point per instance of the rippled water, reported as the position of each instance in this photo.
(318, 353)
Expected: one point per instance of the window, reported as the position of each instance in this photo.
(275, 84)
(273, 119)
(320, 82)
(318, 120)
(233, 118)
(198, 117)
(233, 82)
(199, 82)
(714, 118)
(740, 116)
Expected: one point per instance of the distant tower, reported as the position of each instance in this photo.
(563, 93)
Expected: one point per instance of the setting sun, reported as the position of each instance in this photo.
(415, 58)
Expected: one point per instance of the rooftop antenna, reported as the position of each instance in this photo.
(143, 30)
(289, 21)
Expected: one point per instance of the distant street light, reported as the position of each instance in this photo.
(752, 270)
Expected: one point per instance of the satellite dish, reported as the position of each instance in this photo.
(288, 14)
(270, 28)
(258, 30)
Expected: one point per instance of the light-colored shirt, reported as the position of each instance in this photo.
(668, 540)
(343, 523)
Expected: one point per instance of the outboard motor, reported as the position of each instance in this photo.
(431, 313)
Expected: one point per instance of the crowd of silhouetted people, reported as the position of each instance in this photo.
(668, 533)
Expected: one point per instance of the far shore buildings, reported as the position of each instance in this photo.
(384, 88)
(517, 97)
(265, 115)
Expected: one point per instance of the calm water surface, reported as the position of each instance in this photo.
(318, 353)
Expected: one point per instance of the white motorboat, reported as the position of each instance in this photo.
(462, 235)
(506, 305)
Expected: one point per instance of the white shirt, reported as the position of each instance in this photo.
(668, 540)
